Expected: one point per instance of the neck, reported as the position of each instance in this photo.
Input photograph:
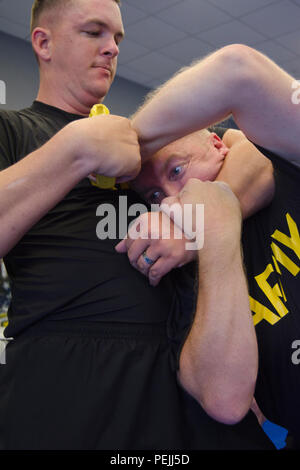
(52, 95)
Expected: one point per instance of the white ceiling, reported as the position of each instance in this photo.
(164, 35)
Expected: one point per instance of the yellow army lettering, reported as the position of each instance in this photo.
(275, 294)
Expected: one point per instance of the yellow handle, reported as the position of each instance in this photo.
(103, 182)
(98, 109)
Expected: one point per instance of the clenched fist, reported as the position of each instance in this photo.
(221, 224)
(107, 144)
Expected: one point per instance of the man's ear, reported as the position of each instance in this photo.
(41, 43)
(218, 143)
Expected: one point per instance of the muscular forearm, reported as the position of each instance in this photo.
(248, 172)
(218, 363)
(34, 185)
(236, 79)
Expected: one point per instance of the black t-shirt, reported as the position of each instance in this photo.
(60, 269)
(272, 256)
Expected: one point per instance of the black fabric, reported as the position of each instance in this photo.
(272, 256)
(93, 361)
(105, 386)
(60, 267)
(220, 131)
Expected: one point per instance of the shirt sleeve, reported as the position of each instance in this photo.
(7, 142)
(287, 166)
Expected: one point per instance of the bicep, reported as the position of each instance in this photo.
(268, 111)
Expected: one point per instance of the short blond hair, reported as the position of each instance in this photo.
(40, 6)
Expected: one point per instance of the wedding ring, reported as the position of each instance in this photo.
(147, 259)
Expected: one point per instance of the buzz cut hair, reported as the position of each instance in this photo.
(40, 6)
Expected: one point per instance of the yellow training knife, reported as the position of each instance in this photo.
(103, 182)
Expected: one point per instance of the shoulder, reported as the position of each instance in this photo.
(12, 135)
(290, 166)
(11, 118)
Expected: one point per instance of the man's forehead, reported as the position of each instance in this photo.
(96, 9)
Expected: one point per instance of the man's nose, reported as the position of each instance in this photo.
(171, 189)
(111, 48)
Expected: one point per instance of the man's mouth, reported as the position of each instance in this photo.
(104, 67)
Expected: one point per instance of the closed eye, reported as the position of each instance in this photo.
(92, 33)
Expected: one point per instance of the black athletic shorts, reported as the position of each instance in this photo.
(89, 386)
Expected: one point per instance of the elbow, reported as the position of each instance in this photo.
(242, 62)
(238, 54)
(230, 410)
(221, 399)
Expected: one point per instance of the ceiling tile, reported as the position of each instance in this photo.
(187, 50)
(232, 33)
(157, 82)
(153, 33)
(155, 65)
(275, 20)
(132, 75)
(131, 14)
(18, 11)
(293, 68)
(240, 7)
(151, 6)
(275, 51)
(130, 50)
(194, 16)
(18, 30)
(291, 41)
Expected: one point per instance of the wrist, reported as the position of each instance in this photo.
(68, 141)
(215, 256)
(75, 148)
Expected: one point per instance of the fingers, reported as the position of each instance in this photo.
(147, 260)
(155, 264)
(154, 259)
(135, 250)
(121, 247)
(153, 247)
(160, 268)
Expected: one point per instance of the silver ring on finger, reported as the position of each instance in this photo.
(148, 260)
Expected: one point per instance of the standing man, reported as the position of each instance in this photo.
(90, 365)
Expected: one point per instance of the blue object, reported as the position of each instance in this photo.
(276, 433)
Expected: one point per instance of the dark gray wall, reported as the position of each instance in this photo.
(19, 71)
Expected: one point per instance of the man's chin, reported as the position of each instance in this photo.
(99, 90)
(98, 94)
